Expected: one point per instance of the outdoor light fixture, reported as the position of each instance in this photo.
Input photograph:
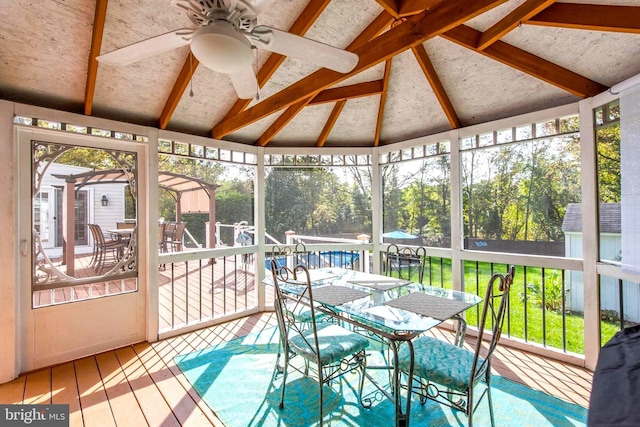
(104, 200)
(220, 47)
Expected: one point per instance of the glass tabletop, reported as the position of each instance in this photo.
(391, 305)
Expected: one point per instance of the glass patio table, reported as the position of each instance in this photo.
(394, 311)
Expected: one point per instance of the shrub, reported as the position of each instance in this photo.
(553, 295)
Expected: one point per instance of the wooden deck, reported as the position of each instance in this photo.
(140, 384)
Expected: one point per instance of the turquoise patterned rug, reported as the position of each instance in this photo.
(235, 380)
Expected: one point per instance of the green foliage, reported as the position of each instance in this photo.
(520, 191)
(608, 161)
(313, 201)
(551, 297)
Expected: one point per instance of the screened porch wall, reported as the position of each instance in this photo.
(10, 320)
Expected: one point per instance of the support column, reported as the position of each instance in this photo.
(68, 225)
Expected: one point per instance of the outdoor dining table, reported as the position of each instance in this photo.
(392, 310)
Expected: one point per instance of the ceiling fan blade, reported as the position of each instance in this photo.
(245, 83)
(146, 48)
(313, 51)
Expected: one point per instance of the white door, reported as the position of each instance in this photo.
(77, 303)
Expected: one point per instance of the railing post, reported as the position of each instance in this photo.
(364, 239)
(218, 241)
(236, 231)
(289, 241)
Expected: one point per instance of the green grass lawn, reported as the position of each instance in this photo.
(528, 321)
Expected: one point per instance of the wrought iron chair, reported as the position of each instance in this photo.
(405, 261)
(326, 348)
(449, 374)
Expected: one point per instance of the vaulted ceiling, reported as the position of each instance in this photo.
(425, 66)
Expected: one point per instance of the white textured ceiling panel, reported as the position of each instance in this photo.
(44, 51)
(605, 57)
(356, 126)
(411, 109)
(482, 89)
(305, 128)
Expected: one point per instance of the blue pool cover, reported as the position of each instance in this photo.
(327, 259)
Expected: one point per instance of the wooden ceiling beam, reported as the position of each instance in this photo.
(390, 6)
(96, 44)
(432, 76)
(520, 14)
(622, 19)
(373, 30)
(282, 121)
(331, 121)
(416, 29)
(302, 24)
(357, 90)
(383, 101)
(411, 7)
(527, 63)
(188, 68)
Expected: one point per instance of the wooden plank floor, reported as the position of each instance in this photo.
(140, 384)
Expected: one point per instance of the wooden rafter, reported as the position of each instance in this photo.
(281, 122)
(188, 68)
(622, 19)
(333, 117)
(432, 76)
(527, 63)
(304, 21)
(383, 101)
(416, 29)
(391, 6)
(357, 90)
(411, 7)
(520, 14)
(96, 43)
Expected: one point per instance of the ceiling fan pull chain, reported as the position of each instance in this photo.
(191, 72)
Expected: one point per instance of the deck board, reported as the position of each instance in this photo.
(93, 398)
(155, 408)
(64, 390)
(13, 391)
(38, 388)
(183, 406)
(126, 410)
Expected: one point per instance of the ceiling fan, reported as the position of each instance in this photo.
(225, 38)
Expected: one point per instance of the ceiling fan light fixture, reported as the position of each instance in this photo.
(220, 47)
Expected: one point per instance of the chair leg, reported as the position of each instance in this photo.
(470, 407)
(362, 360)
(320, 400)
(490, 404)
(284, 377)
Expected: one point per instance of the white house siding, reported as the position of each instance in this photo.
(610, 246)
(105, 216)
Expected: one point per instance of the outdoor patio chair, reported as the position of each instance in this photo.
(405, 262)
(326, 348)
(449, 374)
(105, 248)
(169, 231)
(175, 240)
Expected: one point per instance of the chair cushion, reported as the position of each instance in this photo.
(335, 343)
(440, 362)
